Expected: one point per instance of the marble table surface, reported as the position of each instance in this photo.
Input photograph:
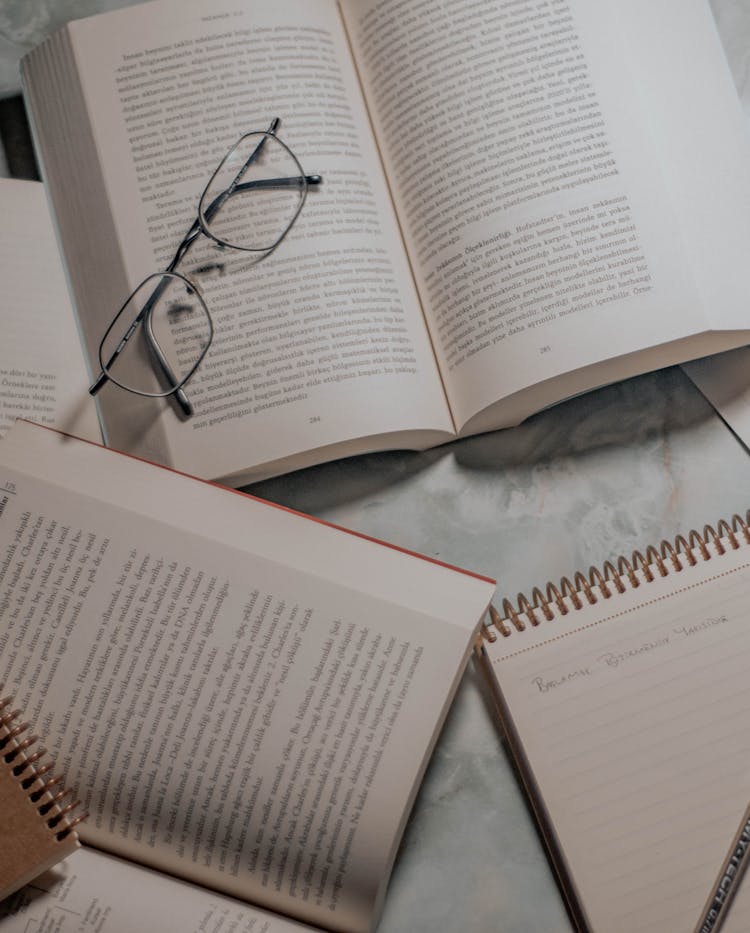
(593, 478)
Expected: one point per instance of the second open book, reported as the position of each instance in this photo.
(520, 202)
(245, 698)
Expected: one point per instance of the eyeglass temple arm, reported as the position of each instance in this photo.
(271, 183)
(186, 406)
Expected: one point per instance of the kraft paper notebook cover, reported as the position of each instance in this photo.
(36, 820)
(625, 700)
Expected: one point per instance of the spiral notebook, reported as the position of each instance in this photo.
(625, 699)
(37, 820)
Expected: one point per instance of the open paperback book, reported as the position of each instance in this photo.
(244, 698)
(519, 202)
(625, 703)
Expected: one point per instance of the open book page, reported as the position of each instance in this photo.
(42, 373)
(94, 893)
(629, 722)
(320, 343)
(550, 164)
(244, 697)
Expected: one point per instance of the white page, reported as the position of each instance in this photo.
(42, 373)
(701, 140)
(632, 716)
(222, 515)
(554, 177)
(93, 893)
(323, 342)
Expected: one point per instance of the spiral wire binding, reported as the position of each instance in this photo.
(669, 557)
(34, 774)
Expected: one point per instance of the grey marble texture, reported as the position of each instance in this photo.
(593, 478)
(24, 23)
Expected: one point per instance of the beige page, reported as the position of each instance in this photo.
(629, 720)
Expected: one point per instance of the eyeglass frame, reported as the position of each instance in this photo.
(198, 227)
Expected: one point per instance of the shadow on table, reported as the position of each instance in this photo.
(15, 138)
(626, 414)
(319, 488)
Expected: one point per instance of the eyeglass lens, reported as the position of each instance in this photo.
(171, 331)
(255, 194)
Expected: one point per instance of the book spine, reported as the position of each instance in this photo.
(33, 771)
(616, 576)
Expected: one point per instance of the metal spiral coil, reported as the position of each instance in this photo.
(587, 589)
(34, 773)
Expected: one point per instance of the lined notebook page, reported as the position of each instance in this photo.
(633, 717)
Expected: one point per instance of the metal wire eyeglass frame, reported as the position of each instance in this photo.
(207, 210)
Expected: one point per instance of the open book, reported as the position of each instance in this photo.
(244, 698)
(625, 702)
(519, 203)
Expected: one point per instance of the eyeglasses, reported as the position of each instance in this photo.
(159, 337)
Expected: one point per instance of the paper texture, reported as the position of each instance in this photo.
(629, 719)
(244, 697)
(94, 894)
(42, 373)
